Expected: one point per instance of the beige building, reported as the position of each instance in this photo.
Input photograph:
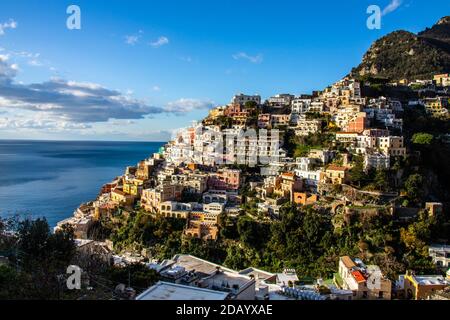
(346, 137)
(335, 175)
(173, 209)
(279, 120)
(152, 198)
(442, 79)
(392, 145)
(305, 127)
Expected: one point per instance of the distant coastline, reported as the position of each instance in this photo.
(81, 140)
(51, 178)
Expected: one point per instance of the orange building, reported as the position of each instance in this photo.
(358, 124)
(302, 198)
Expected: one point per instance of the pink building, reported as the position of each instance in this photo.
(225, 179)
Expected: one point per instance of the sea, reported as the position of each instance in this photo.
(52, 178)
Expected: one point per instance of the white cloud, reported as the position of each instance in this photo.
(184, 105)
(121, 123)
(253, 59)
(71, 101)
(40, 121)
(30, 58)
(7, 71)
(11, 24)
(392, 6)
(35, 63)
(160, 42)
(156, 88)
(132, 40)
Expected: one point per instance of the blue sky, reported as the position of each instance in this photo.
(138, 70)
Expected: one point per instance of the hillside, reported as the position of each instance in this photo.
(402, 54)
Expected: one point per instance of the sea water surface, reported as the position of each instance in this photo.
(51, 178)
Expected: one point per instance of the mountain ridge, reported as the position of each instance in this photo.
(403, 54)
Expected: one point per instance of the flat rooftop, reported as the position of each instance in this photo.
(439, 247)
(229, 281)
(191, 263)
(171, 291)
(259, 274)
(226, 279)
(428, 280)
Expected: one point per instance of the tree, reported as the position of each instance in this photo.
(251, 232)
(357, 174)
(139, 276)
(422, 138)
(381, 180)
(38, 247)
(39, 257)
(250, 105)
(413, 186)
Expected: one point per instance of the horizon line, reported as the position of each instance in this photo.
(76, 140)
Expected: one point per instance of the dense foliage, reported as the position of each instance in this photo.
(402, 54)
(37, 261)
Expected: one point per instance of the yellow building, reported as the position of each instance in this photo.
(442, 79)
(335, 175)
(133, 186)
(216, 112)
(421, 287)
(436, 106)
(121, 198)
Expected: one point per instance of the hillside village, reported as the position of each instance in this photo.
(349, 155)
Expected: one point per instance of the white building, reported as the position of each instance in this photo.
(213, 208)
(366, 282)
(440, 255)
(243, 98)
(309, 172)
(280, 100)
(377, 161)
(300, 105)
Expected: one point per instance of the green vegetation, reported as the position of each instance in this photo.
(305, 239)
(36, 257)
(402, 54)
(38, 260)
(422, 138)
(140, 230)
(300, 146)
